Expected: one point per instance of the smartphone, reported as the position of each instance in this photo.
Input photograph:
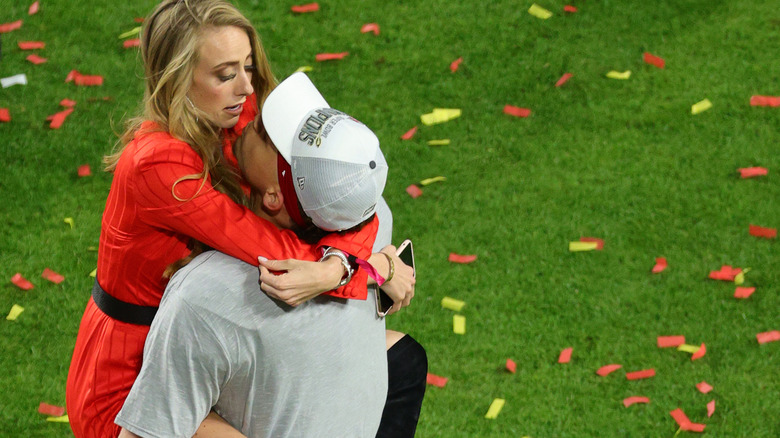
(406, 253)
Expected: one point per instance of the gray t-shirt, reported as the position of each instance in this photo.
(316, 370)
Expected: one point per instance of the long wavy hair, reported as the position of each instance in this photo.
(170, 43)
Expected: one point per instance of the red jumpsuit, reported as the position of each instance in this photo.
(144, 229)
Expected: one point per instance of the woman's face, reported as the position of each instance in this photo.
(223, 76)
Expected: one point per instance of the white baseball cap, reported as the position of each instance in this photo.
(337, 168)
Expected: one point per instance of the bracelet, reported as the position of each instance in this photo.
(392, 267)
(332, 252)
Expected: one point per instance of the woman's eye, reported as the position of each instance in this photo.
(226, 78)
(249, 68)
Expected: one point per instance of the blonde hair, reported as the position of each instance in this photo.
(170, 41)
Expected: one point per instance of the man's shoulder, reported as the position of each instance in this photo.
(209, 277)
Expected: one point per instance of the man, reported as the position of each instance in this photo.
(319, 369)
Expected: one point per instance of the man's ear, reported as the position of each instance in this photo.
(273, 200)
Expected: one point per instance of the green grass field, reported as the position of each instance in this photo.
(623, 160)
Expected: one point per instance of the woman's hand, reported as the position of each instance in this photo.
(299, 281)
(400, 288)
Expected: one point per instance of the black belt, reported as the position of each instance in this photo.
(120, 310)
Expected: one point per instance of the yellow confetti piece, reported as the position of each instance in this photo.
(688, 348)
(93, 274)
(452, 304)
(304, 68)
(69, 221)
(619, 75)
(495, 408)
(440, 115)
(62, 419)
(16, 310)
(582, 246)
(131, 32)
(435, 179)
(740, 278)
(700, 107)
(442, 142)
(92, 248)
(539, 12)
(459, 324)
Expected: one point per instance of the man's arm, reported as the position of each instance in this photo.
(213, 426)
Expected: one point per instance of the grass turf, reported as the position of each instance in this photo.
(620, 160)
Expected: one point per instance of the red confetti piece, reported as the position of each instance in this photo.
(138, 19)
(8, 27)
(516, 111)
(565, 78)
(84, 170)
(58, 119)
(330, 56)
(409, 134)
(31, 45)
(511, 366)
(765, 337)
(565, 356)
(455, 64)
(599, 242)
(414, 191)
(51, 410)
(750, 172)
(654, 60)
(635, 399)
(21, 282)
(743, 292)
(767, 233)
(33, 8)
(726, 273)
(607, 369)
(773, 101)
(569, 8)
(670, 341)
(84, 80)
(660, 265)
(458, 258)
(67, 103)
(309, 7)
(700, 352)
(134, 42)
(643, 374)
(710, 408)
(435, 380)
(370, 27)
(35, 59)
(5, 115)
(52, 276)
(704, 387)
(684, 423)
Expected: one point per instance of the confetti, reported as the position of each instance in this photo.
(726, 273)
(539, 12)
(635, 399)
(773, 101)
(132, 32)
(651, 59)
(495, 408)
(565, 356)
(414, 191)
(458, 258)
(688, 348)
(31, 45)
(33, 8)
(52, 276)
(642, 374)
(565, 78)
(599, 242)
(660, 265)
(304, 68)
(35, 59)
(700, 352)
(704, 387)
(619, 75)
(84, 170)
(516, 111)
(93, 274)
(21, 282)
(67, 103)
(700, 107)
(62, 419)
(583, 246)
(750, 172)
(69, 221)
(57, 119)
(16, 310)
(84, 80)
(309, 7)
(684, 423)
(767, 233)
(409, 134)
(435, 179)
(20, 79)
(370, 27)
(670, 341)
(440, 115)
(455, 64)
(608, 369)
(452, 304)
(441, 142)
(8, 27)
(5, 115)
(135, 42)
(330, 56)
(743, 292)
(511, 366)
(771, 336)
(459, 324)
(710, 408)
(51, 410)
(570, 9)
(433, 379)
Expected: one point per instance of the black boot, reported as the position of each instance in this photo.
(407, 368)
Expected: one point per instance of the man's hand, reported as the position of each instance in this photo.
(299, 281)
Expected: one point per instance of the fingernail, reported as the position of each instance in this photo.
(261, 259)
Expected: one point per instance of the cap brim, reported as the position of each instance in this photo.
(285, 108)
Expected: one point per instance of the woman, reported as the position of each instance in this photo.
(171, 184)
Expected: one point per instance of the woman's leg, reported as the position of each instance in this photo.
(407, 368)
